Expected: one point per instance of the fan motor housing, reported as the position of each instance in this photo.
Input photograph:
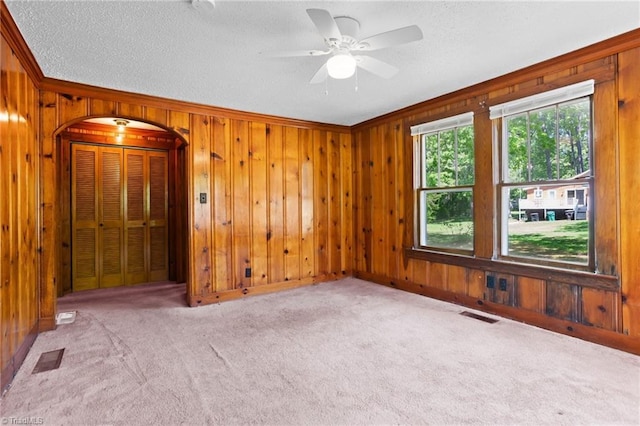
(349, 28)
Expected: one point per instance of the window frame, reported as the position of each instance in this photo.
(499, 115)
(419, 133)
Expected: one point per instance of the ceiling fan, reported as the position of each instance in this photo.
(340, 35)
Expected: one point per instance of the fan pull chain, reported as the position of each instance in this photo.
(326, 86)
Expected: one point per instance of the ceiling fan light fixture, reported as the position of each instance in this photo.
(341, 66)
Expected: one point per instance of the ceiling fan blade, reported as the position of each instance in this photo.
(297, 53)
(326, 25)
(320, 75)
(391, 38)
(376, 66)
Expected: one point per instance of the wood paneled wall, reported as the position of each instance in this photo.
(280, 212)
(19, 237)
(290, 203)
(277, 213)
(602, 306)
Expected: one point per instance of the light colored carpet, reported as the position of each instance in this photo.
(347, 352)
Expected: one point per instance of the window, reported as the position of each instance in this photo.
(545, 148)
(445, 170)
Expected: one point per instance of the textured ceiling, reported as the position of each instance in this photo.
(214, 55)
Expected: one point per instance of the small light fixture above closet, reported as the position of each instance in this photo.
(122, 124)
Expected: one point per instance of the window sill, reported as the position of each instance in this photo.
(568, 276)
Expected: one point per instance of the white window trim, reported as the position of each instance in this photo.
(460, 120)
(530, 103)
(544, 99)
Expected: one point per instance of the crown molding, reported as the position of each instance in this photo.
(593, 52)
(13, 36)
(85, 90)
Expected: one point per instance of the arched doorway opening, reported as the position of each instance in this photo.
(122, 204)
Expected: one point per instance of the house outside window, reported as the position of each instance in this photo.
(545, 145)
(444, 179)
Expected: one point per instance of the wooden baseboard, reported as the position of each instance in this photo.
(222, 296)
(15, 362)
(47, 324)
(589, 333)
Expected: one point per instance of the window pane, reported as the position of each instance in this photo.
(447, 158)
(449, 220)
(465, 156)
(546, 228)
(518, 156)
(542, 130)
(574, 127)
(431, 160)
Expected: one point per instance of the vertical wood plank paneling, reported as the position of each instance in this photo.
(13, 335)
(157, 115)
(562, 301)
(241, 238)
(308, 246)
(100, 107)
(346, 221)
(421, 272)
(378, 222)
(358, 207)
(19, 196)
(483, 192)
(292, 205)
(321, 197)
(334, 243)
(259, 204)
(367, 190)
(530, 294)
(71, 107)
(629, 139)
(457, 279)
(404, 191)
(4, 219)
(8, 142)
(390, 188)
(222, 163)
(605, 202)
(599, 308)
(177, 121)
(33, 142)
(437, 275)
(476, 283)
(129, 110)
(201, 232)
(22, 179)
(63, 201)
(277, 218)
(49, 261)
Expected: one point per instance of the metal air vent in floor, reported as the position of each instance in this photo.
(48, 361)
(478, 317)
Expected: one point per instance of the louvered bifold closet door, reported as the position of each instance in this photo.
(158, 197)
(84, 210)
(111, 208)
(136, 207)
